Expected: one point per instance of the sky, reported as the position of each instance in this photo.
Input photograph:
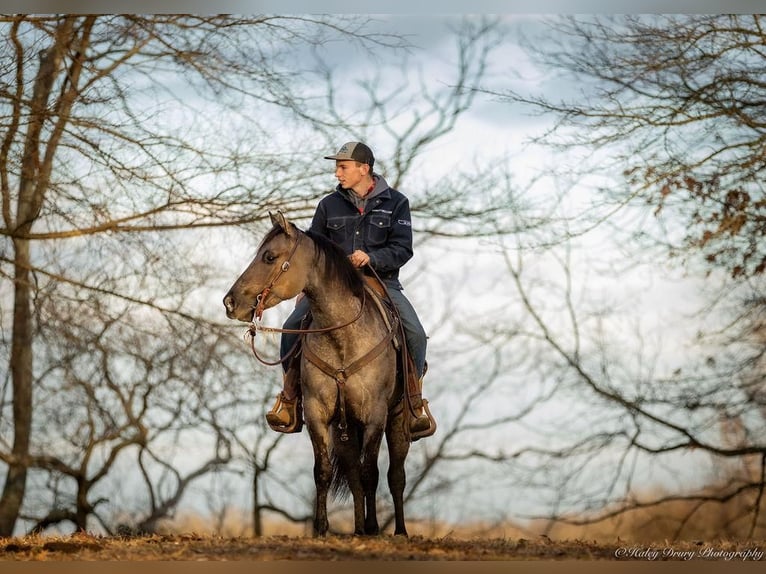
(392, 6)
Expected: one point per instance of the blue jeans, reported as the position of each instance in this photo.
(413, 329)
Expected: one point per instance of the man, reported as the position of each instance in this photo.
(371, 222)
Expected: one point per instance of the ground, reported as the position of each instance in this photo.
(85, 547)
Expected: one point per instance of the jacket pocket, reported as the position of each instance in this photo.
(338, 229)
(379, 227)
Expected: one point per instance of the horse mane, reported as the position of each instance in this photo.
(337, 265)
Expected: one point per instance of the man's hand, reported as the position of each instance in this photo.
(359, 258)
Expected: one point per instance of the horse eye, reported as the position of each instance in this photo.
(269, 257)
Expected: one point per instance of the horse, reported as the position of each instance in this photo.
(350, 390)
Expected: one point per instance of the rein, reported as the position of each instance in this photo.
(254, 327)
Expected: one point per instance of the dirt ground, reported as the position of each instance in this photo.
(85, 547)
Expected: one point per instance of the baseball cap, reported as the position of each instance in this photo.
(354, 151)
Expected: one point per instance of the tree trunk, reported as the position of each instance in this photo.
(257, 522)
(21, 376)
(36, 164)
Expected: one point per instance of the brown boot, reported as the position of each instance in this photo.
(417, 435)
(420, 421)
(285, 415)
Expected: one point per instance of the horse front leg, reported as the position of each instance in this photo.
(358, 495)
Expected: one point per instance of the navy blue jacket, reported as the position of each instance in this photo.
(383, 231)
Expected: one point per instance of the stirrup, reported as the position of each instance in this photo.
(417, 435)
(283, 404)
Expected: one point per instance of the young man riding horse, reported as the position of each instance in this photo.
(371, 222)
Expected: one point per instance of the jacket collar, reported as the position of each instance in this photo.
(381, 190)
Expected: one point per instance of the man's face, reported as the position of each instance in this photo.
(349, 173)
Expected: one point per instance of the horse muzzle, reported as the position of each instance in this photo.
(235, 309)
(242, 309)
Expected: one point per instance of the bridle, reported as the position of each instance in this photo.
(260, 300)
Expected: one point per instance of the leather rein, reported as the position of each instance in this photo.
(255, 327)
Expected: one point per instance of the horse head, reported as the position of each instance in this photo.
(278, 272)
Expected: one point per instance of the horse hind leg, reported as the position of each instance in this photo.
(398, 448)
(347, 475)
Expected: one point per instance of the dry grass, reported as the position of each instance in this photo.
(190, 539)
(672, 531)
(237, 524)
(675, 521)
(85, 547)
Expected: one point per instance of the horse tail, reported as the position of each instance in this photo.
(339, 486)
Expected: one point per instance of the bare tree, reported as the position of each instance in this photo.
(126, 140)
(87, 156)
(674, 103)
(619, 412)
(668, 110)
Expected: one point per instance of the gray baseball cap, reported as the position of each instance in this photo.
(354, 151)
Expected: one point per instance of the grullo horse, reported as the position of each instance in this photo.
(351, 392)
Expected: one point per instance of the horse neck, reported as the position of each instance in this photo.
(332, 302)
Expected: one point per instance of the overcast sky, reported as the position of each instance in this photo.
(391, 6)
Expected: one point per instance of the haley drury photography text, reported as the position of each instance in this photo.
(702, 553)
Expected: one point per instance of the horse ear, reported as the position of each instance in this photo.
(279, 218)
